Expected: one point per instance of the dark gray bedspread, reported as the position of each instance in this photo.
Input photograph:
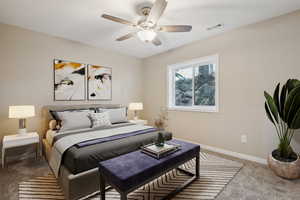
(78, 160)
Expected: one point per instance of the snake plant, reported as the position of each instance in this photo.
(283, 110)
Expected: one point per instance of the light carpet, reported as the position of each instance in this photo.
(215, 174)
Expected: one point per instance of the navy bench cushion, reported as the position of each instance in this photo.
(132, 169)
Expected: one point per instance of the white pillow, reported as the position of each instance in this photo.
(72, 120)
(99, 119)
(115, 114)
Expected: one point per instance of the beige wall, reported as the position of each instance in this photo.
(252, 59)
(27, 72)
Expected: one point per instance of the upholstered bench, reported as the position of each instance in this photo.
(128, 172)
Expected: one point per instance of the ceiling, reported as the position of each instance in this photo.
(80, 20)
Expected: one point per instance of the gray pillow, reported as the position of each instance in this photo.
(55, 114)
(116, 115)
(72, 120)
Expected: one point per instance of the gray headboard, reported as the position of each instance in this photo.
(47, 116)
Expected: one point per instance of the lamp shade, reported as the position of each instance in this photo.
(21, 112)
(135, 106)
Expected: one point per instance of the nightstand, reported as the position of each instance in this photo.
(139, 121)
(19, 140)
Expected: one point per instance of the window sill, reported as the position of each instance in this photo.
(194, 109)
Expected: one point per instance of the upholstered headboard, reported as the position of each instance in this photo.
(47, 116)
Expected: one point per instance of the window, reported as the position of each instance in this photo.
(193, 85)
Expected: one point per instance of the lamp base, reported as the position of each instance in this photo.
(22, 131)
(22, 127)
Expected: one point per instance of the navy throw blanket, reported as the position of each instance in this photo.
(115, 137)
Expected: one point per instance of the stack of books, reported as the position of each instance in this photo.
(159, 152)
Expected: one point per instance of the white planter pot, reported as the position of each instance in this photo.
(287, 170)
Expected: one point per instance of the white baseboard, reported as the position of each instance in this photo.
(230, 153)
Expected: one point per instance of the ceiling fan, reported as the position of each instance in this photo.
(147, 27)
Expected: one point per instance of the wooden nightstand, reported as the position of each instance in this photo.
(18, 140)
(139, 121)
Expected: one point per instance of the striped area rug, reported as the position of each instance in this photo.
(215, 174)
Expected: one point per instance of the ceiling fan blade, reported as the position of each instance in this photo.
(156, 41)
(117, 19)
(125, 37)
(176, 28)
(157, 10)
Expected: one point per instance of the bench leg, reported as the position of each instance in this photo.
(187, 182)
(102, 187)
(123, 196)
(197, 168)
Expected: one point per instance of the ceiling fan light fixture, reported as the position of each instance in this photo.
(147, 27)
(147, 35)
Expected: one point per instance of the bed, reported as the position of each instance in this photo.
(77, 170)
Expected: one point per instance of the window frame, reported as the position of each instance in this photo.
(213, 59)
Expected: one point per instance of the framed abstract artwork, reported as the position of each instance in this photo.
(69, 81)
(99, 80)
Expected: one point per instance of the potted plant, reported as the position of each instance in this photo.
(283, 110)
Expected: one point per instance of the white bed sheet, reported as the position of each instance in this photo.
(51, 133)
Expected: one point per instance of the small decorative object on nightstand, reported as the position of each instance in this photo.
(18, 140)
(21, 113)
(139, 121)
(135, 107)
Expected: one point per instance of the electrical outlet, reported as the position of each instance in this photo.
(244, 139)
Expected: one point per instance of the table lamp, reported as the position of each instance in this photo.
(135, 107)
(21, 113)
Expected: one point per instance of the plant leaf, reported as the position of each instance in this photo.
(294, 108)
(276, 98)
(288, 85)
(292, 83)
(272, 106)
(296, 120)
(269, 113)
(291, 106)
(282, 101)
